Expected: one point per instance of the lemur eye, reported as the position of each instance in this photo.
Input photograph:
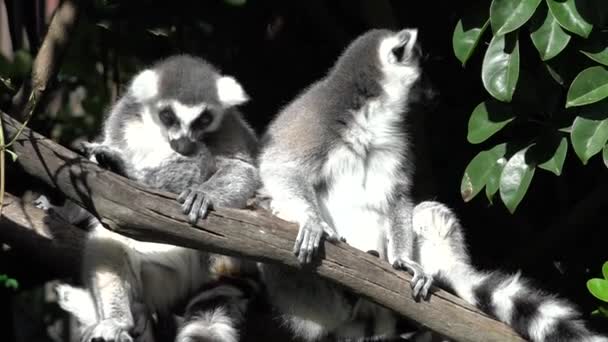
(204, 119)
(167, 116)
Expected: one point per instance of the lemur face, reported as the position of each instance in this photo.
(185, 98)
(187, 125)
(399, 55)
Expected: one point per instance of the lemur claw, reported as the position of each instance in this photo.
(195, 204)
(309, 239)
(421, 282)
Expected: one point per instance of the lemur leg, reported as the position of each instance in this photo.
(402, 248)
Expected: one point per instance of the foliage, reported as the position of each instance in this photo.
(9, 282)
(545, 69)
(599, 289)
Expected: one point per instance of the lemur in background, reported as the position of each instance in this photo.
(337, 162)
(176, 129)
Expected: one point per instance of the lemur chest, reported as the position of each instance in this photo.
(360, 178)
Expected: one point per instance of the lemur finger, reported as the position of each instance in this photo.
(302, 254)
(124, 337)
(196, 206)
(183, 195)
(418, 287)
(426, 288)
(298, 243)
(187, 205)
(204, 210)
(311, 247)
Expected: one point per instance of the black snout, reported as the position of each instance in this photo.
(183, 146)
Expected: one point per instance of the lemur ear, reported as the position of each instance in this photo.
(230, 91)
(145, 85)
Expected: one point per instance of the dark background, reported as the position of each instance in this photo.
(558, 235)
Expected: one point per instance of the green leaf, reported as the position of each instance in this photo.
(12, 154)
(488, 118)
(605, 270)
(477, 172)
(598, 288)
(467, 33)
(509, 15)
(500, 68)
(588, 136)
(605, 157)
(547, 35)
(557, 157)
(515, 180)
(589, 86)
(493, 181)
(596, 47)
(568, 15)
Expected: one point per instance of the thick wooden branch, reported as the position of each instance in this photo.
(54, 242)
(49, 58)
(130, 209)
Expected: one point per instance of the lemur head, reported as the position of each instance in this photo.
(186, 97)
(380, 61)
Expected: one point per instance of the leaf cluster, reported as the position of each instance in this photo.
(545, 69)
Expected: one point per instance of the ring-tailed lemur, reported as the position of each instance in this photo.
(534, 314)
(175, 129)
(336, 161)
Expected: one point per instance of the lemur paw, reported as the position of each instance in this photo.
(433, 220)
(421, 281)
(43, 203)
(106, 157)
(309, 239)
(107, 331)
(195, 203)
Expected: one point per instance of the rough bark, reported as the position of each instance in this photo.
(54, 242)
(130, 209)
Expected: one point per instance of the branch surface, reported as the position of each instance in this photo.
(133, 210)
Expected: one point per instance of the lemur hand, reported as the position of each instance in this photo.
(421, 282)
(195, 203)
(309, 239)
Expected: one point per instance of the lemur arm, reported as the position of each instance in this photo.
(109, 275)
(402, 246)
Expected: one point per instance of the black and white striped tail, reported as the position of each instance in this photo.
(534, 314)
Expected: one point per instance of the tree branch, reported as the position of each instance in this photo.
(46, 238)
(133, 210)
(48, 60)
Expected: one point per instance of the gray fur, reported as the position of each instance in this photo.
(333, 139)
(120, 272)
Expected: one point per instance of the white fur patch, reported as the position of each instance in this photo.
(210, 326)
(397, 74)
(145, 85)
(549, 313)
(185, 114)
(78, 302)
(147, 145)
(362, 174)
(230, 91)
(503, 297)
